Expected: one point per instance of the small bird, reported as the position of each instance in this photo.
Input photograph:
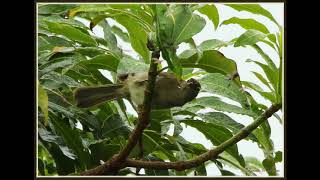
(169, 91)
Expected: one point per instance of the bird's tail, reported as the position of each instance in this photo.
(90, 96)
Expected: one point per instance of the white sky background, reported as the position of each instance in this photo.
(240, 55)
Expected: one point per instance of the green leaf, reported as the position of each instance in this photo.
(213, 62)
(43, 102)
(48, 136)
(265, 57)
(130, 65)
(201, 170)
(262, 79)
(101, 150)
(269, 166)
(177, 23)
(137, 34)
(253, 161)
(250, 37)
(71, 33)
(47, 9)
(90, 51)
(104, 61)
(155, 172)
(247, 24)
(226, 172)
(123, 35)
(253, 8)
(215, 133)
(267, 95)
(212, 13)
(110, 38)
(217, 104)
(59, 80)
(224, 120)
(278, 156)
(220, 85)
(114, 126)
(49, 42)
(211, 44)
(64, 165)
(71, 22)
(72, 139)
(272, 75)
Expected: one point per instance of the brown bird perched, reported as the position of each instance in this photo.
(169, 91)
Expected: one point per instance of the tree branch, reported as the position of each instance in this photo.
(211, 154)
(118, 161)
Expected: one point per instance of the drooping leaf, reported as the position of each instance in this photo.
(101, 150)
(201, 170)
(219, 84)
(177, 23)
(278, 156)
(250, 37)
(114, 126)
(72, 139)
(247, 24)
(269, 166)
(104, 61)
(123, 35)
(253, 8)
(267, 95)
(47, 9)
(211, 11)
(71, 22)
(71, 33)
(213, 62)
(110, 38)
(222, 119)
(215, 133)
(43, 102)
(217, 104)
(130, 65)
(137, 34)
(211, 44)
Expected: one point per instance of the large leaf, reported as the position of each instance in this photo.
(253, 8)
(211, 12)
(247, 24)
(250, 37)
(215, 133)
(219, 84)
(123, 35)
(217, 104)
(268, 95)
(48, 136)
(130, 65)
(43, 102)
(213, 62)
(224, 120)
(273, 76)
(101, 150)
(72, 139)
(71, 22)
(64, 165)
(47, 9)
(177, 23)
(104, 61)
(211, 44)
(137, 34)
(110, 38)
(265, 57)
(114, 126)
(71, 33)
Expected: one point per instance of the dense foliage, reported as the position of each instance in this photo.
(71, 140)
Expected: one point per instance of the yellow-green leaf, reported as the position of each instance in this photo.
(43, 102)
